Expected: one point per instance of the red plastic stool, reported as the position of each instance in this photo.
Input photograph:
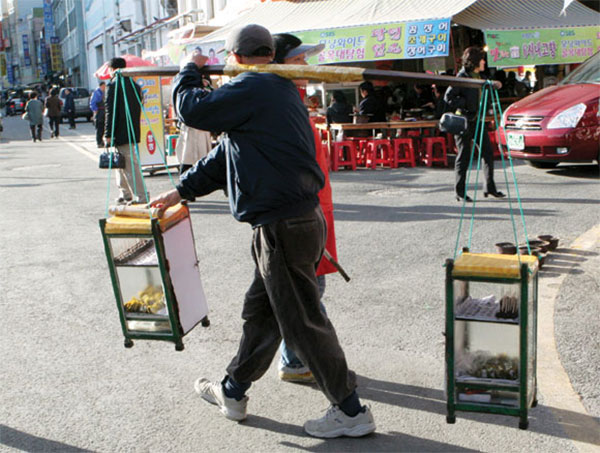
(344, 154)
(360, 144)
(403, 152)
(378, 151)
(428, 156)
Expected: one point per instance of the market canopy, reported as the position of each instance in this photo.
(364, 30)
(526, 32)
(525, 15)
(518, 32)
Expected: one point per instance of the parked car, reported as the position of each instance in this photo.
(82, 102)
(558, 124)
(15, 106)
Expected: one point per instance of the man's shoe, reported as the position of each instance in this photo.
(123, 200)
(212, 392)
(298, 374)
(336, 424)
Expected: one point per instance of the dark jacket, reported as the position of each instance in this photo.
(53, 104)
(70, 102)
(339, 112)
(372, 105)
(267, 156)
(120, 118)
(463, 98)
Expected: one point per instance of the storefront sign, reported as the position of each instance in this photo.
(511, 48)
(381, 42)
(2, 65)
(55, 54)
(10, 73)
(151, 123)
(48, 21)
(26, 56)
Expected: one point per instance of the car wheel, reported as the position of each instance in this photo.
(540, 164)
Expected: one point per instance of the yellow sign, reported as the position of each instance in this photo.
(152, 129)
(2, 65)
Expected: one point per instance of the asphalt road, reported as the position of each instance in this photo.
(68, 384)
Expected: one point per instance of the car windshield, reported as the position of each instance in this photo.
(81, 93)
(588, 72)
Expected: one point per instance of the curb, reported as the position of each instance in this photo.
(553, 381)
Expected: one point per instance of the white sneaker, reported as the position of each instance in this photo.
(335, 424)
(298, 374)
(213, 393)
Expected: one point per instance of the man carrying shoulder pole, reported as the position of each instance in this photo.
(267, 163)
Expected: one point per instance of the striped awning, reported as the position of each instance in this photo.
(295, 16)
(525, 14)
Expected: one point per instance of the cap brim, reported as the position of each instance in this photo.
(308, 49)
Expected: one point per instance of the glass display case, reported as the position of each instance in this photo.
(154, 272)
(491, 331)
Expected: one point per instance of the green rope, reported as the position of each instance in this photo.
(497, 111)
(112, 141)
(131, 137)
(478, 137)
(515, 183)
(162, 154)
(462, 211)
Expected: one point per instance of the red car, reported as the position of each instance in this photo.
(559, 123)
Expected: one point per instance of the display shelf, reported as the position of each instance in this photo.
(491, 323)
(143, 253)
(481, 310)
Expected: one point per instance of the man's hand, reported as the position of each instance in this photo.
(197, 58)
(497, 84)
(165, 200)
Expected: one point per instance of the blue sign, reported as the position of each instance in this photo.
(10, 73)
(427, 39)
(48, 20)
(26, 56)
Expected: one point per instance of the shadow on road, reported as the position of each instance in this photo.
(26, 442)
(378, 442)
(577, 171)
(372, 213)
(564, 261)
(577, 425)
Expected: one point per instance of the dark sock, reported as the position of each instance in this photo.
(351, 405)
(233, 389)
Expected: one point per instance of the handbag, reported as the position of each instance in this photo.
(25, 116)
(453, 123)
(111, 159)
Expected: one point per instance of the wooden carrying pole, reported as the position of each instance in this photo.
(318, 73)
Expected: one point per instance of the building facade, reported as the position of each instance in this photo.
(69, 29)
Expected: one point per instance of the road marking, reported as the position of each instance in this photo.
(553, 381)
(80, 149)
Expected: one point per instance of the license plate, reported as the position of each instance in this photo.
(516, 141)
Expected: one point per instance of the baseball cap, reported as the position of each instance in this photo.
(288, 46)
(247, 39)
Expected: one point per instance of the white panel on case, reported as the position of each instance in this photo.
(185, 275)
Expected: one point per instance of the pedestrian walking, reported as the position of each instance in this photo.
(267, 162)
(53, 106)
(70, 107)
(97, 108)
(129, 179)
(465, 101)
(34, 112)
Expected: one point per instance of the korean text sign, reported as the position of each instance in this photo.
(544, 46)
(381, 42)
(152, 129)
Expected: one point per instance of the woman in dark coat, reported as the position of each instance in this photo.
(339, 111)
(465, 101)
